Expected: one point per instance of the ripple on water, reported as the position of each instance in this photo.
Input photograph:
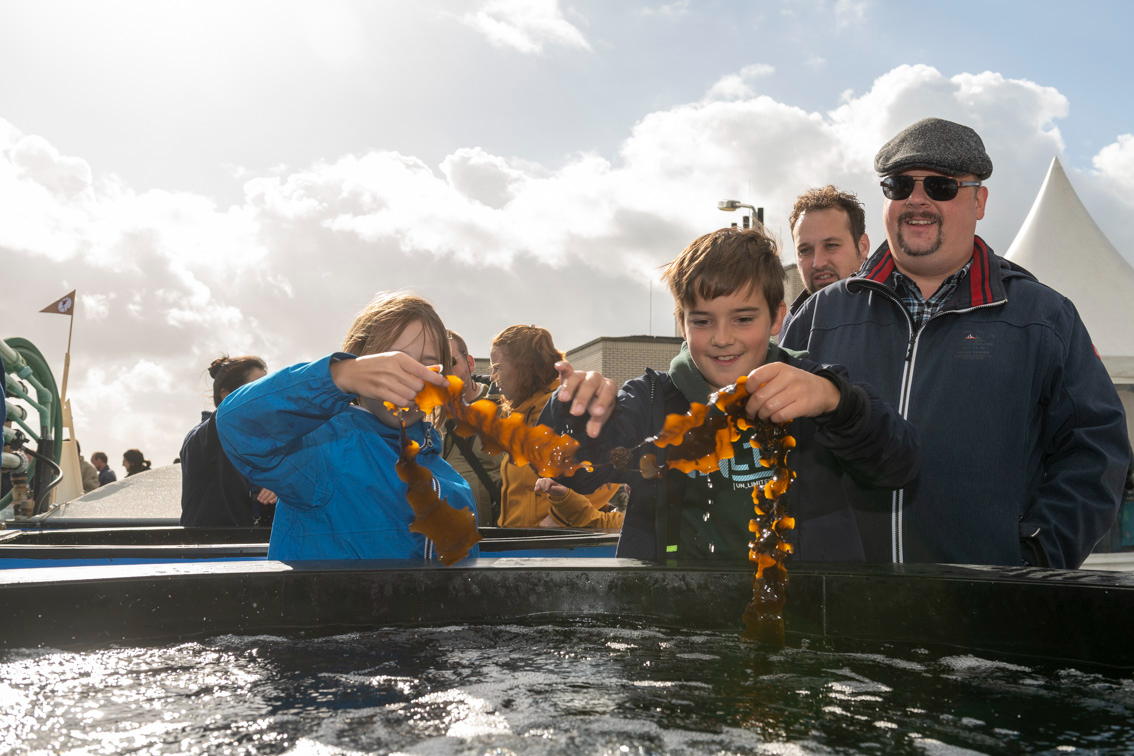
(566, 688)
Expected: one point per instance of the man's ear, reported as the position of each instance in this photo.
(863, 246)
(471, 363)
(981, 198)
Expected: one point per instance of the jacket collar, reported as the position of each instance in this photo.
(533, 405)
(799, 300)
(983, 285)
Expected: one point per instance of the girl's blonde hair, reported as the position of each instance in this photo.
(533, 353)
(380, 323)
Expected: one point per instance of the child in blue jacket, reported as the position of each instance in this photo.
(318, 435)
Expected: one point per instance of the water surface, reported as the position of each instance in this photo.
(578, 688)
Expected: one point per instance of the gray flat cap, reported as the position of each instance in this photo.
(937, 145)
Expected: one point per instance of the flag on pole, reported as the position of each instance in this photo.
(65, 305)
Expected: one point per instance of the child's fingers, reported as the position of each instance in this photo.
(567, 380)
(594, 394)
(436, 378)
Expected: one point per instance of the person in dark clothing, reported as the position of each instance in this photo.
(213, 492)
(729, 290)
(1024, 435)
(102, 464)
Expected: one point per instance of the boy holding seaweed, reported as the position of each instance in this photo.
(729, 290)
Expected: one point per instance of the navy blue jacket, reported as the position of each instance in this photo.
(863, 442)
(1023, 434)
(213, 493)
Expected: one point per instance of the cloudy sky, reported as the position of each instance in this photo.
(242, 177)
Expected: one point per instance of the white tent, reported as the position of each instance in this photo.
(1063, 247)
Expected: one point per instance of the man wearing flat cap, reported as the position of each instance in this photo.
(1022, 432)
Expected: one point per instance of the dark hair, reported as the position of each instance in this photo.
(724, 262)
(381, 322)
(137, 461)
(830, 198)
(230, 373)
(453, 335)
(100, 455)
(533, 354)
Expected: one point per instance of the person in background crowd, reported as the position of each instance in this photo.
(480, 469)
(89, 472)
(134, 462)
(213, 492)
(101, 463)
(523, 366)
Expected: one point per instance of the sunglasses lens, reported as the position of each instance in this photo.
(940, 188)
(937, 188)
(897, 187)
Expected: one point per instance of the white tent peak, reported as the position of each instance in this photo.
(1063, 247)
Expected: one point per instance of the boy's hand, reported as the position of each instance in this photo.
(389, 377)
(588, 393)
(782, 393)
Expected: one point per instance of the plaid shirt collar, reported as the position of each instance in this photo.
(983, 286)
(919, 308)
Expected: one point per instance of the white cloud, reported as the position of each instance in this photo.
(526, 26)
(486, 178)
(737, 86)
(1114, 165)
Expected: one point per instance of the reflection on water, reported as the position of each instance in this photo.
(548, 689)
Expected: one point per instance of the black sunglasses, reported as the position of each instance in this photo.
(937, 188)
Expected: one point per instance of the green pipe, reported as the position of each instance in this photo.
(14, 388)
(34, 435)
(21, 356)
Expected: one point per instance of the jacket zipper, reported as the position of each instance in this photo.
(897, 501)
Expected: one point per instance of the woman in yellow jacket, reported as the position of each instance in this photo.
(523, 367)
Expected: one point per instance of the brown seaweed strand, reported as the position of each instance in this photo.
(763, 617)
(453, 531)
(551, 454)
(700, 440)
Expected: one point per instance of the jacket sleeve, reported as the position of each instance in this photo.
(877, 447)
(1086, 455)
(627, 426)
(263, 426)
(578, 511)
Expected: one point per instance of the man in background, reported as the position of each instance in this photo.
(828, 228)
(105, 474)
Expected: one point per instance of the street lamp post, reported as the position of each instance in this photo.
(731, 205)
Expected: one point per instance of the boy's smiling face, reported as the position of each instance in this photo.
(728, 336)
